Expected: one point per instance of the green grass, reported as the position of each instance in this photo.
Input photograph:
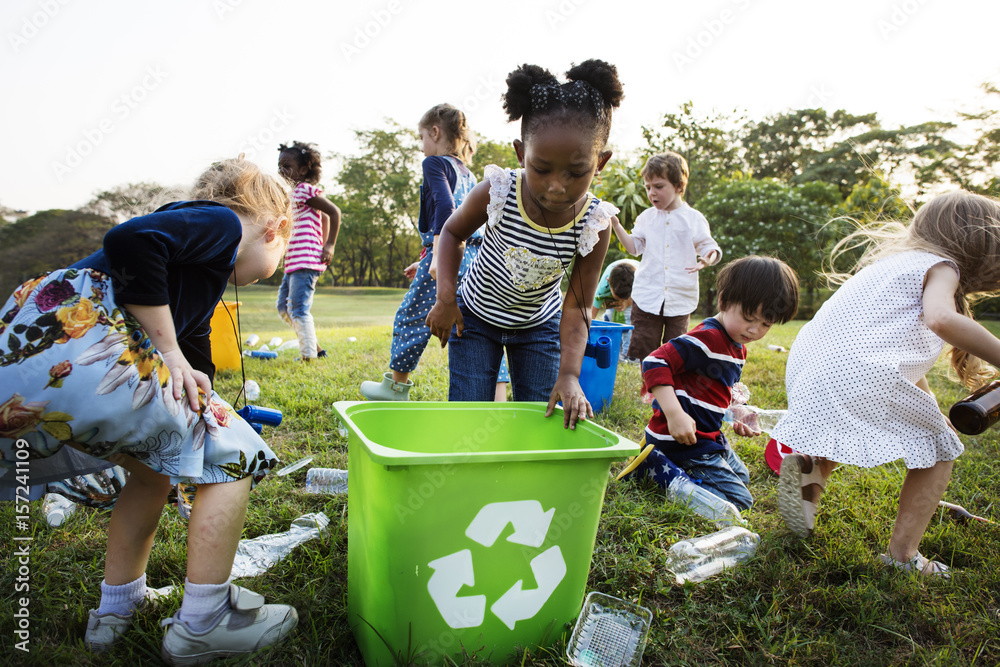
(823, 601)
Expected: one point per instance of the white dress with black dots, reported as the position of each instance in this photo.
(852, 370)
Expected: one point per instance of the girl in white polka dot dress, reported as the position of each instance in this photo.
(857, 391)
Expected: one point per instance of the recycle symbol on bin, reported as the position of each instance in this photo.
(452, 572)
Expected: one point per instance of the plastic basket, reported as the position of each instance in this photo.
(610, 632)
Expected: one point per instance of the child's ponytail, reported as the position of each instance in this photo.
(453, 124)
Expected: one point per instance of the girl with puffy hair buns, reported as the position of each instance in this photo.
(537, 221)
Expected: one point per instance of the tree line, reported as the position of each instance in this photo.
(769, 186)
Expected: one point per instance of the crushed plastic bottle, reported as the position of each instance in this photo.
(252, 340)
(684, 490)
(326, 480)
(256, 555)
(699, 558)
(251, 390)
(275, 342)
(292, 344)
(57, 508)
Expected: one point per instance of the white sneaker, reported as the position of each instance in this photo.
(103, 630)
(248, 625)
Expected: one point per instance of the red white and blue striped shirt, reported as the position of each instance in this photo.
(702, 366)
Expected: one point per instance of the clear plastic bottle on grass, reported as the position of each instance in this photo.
(682, 489)
(57, 508)
(699, 558)
(329, 481)
(251, 390)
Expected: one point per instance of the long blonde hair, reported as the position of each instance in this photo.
(241, 186)
(961, 226)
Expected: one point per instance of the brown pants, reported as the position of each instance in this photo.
(651, 331)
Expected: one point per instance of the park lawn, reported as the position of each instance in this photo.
(822, 601)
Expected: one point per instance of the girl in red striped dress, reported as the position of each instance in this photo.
(314, 234)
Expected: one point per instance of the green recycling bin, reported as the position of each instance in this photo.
(470, 526)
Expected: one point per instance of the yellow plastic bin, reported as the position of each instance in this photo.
(225, 346)
(471, 526)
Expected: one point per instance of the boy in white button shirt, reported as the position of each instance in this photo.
(675, 244)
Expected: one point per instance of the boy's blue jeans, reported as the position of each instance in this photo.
(295, 297)
(474, 359)
(723, 474)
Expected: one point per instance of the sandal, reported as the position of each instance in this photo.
(919, 565)
(798, 513)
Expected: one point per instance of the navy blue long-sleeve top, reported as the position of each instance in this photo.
(437, 198)
(181, 256)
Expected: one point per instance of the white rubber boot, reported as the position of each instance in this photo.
(387, 389)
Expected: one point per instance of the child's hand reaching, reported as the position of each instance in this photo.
(158, 324)
(411, 271)
(185, 378)
(744, 421)
(704, 262)
(576, 407)
(744, 430)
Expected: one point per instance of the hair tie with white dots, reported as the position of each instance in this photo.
(545, 96)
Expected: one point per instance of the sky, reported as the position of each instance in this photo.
(106, 93)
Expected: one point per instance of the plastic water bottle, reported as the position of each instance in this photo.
(252, 340)
(683, 489)
(329, 481)
(289, 345)
(275, 342)
(57, 508)
(756, 418)
(251, 390)
(702, 557)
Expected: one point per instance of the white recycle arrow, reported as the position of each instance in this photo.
(531, 523)
(517, 604)
(451, 572)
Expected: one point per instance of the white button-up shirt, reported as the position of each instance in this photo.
(669, 243)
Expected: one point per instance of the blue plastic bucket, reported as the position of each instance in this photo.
(599, 383)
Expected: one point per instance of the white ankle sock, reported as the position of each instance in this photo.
(203, 604)
(123, 598)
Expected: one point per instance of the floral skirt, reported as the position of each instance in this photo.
(81, 382)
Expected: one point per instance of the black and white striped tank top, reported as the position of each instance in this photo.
(514, 281)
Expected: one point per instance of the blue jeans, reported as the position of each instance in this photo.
(721, 473)
(295, 297)
(474, 359)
